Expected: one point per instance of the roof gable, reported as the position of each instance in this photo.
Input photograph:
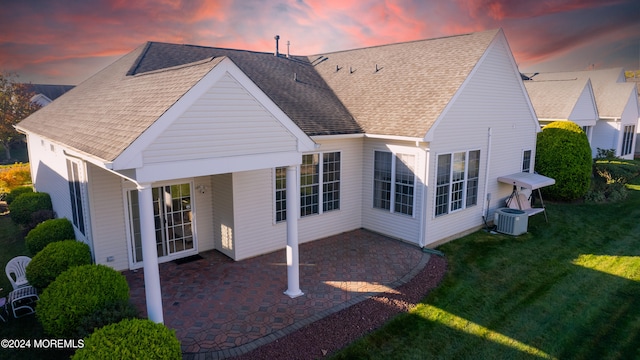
(555, 99)
(176, 126)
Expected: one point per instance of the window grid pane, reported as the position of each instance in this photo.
(382, 180)
(443, 184)
(457, 183)
(472, 177)
(404, 184)
(627, 139)
(281, 194)
(309, 186)
(526, 161)
(331, 181)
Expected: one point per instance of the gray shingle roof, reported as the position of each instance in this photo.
(611, 95)
(104, 114)
(555, 99)
(415, 81)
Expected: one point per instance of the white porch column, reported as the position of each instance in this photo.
(150, 254)
(293, 208)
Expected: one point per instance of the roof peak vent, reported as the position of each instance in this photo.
(277, 53)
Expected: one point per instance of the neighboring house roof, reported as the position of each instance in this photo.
(609, 87)
(413, 83)
(51, 92)
(555, 99)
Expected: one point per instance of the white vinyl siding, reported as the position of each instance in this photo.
(226, 121)
(108, 219)
(223, 214)
(489, 113)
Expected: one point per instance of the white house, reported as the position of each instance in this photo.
(617, 104)
(564, 100)
(177, 149)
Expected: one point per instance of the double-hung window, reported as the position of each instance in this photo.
(526, 161)
(319, 181)
(627, 140)
(457, 181)
(394, 182)
(75, 195)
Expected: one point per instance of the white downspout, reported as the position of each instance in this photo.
(487, 196)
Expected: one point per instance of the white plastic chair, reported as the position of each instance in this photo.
(16, 271)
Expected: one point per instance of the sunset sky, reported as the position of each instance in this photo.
(66, 41)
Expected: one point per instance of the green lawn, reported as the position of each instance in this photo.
(569, 289)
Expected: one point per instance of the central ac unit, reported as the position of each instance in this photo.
(510, 221)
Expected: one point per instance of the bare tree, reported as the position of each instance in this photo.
(15, 105)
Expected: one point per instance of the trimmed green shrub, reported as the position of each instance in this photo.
(131, 339)
(76, 293)
(54, 259)
(610, 175)
(13, 194)
(109, 314)
(28, 203)
(563, 153)
(47, 232)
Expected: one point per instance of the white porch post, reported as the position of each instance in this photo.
(150, 254)
(293, 207)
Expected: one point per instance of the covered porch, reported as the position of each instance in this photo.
(219, 307)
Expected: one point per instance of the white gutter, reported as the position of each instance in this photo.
(337, 137)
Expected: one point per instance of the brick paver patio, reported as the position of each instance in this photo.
(220, 308)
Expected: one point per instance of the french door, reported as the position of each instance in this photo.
(173, 220)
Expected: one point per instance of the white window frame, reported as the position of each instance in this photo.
(320, 185)
(395, 156)
(129, 186)
(77, 197)
(524, 154)
(464, 182)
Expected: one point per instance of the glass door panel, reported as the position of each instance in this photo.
(172, 217)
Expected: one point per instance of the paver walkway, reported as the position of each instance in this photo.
(221, 308)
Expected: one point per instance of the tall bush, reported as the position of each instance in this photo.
(54, 259)
(47, 232)
(26, 204)
(563, 153)
(76, 293)
(131, 339)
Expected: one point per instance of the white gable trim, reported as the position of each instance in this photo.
(500, 37)
(589, 89)
(132, 156)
